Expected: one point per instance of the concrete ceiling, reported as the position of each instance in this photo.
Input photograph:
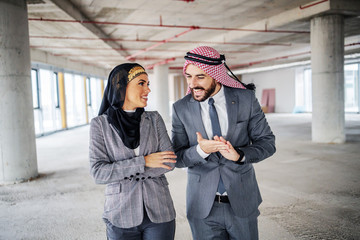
(250, 33)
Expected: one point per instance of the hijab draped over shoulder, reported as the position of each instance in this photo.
(126, 125)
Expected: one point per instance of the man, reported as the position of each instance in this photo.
(218, 132)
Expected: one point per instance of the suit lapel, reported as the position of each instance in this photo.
(232, 106)
(195, 111)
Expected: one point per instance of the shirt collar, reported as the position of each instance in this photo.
(218, 96)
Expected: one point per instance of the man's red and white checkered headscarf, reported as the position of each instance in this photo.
(218, 72)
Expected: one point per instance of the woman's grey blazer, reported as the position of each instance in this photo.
(131, 186)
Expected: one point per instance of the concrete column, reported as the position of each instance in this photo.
(327, 63)
(159, 86)
(17, 133)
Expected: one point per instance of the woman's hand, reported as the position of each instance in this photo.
(157, 160)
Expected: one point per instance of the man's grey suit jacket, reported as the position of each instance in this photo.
(248, 131)
(131, 186)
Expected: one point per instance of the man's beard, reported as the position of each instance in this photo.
(208, 91)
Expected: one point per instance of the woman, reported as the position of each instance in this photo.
(130, 151)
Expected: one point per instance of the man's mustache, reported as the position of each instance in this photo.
(197, 88)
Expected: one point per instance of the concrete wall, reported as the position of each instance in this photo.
(283, 80)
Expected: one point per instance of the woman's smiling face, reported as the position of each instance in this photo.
(137, 91)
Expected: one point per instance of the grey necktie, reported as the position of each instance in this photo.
(215, 124)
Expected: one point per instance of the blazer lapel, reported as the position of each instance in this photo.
(195, 111)
(144, 132)
(232, 106)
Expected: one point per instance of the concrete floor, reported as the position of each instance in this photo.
(310, 191)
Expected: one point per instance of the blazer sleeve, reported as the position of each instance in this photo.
(187, 156)
(104, 170)
(262, 139)
(164, 144)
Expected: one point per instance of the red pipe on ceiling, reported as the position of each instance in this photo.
(311, 5)
(140, 40)
(166, 26)
(159, 50)
(282, 57)
(177, 68)
(124, 49)
(272, 59)
(158, 44)
(268, 60)
(352, 44)
(107, 56)
(151, 66)
(85, 62)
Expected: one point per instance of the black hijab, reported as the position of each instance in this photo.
(127, 125)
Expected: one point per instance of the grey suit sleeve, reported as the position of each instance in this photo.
(262, 139)
(164, 145)
(187, 156)
(103, 169)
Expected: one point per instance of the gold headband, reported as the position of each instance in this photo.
(134, 72)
